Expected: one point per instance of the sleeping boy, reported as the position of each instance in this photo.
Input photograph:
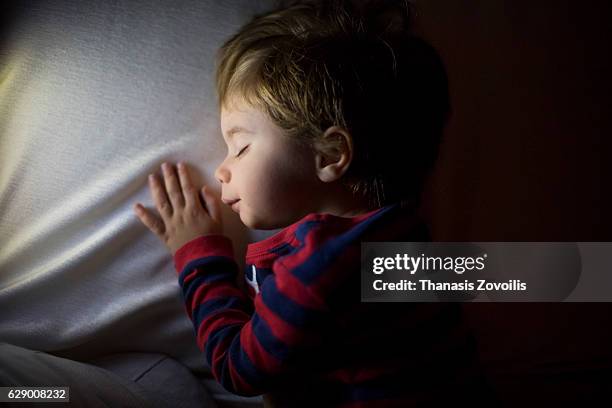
(332, 115)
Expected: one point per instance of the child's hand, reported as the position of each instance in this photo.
(182, 217)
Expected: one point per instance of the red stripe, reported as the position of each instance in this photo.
(294, 289)
(201, 270)
(192, 275)
(202, 247)
(216, 321)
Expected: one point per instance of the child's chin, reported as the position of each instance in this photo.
(249, 222)
(255, 224)
(259, 224)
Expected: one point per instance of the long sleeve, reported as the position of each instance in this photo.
(249, 350)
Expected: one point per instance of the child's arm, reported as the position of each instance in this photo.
(248, 351)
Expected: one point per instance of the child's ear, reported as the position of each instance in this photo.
(333, 154)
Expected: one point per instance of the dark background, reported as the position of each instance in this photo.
(527, 158)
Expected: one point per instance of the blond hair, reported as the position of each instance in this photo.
(312, 65)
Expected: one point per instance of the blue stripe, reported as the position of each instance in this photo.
(281, 249)
(303, 230)
(288, 310)
(261, 273)
(215, 338)
(243, 364)
(215, 266)
(214, 305)
(189, 289)
(267, 340)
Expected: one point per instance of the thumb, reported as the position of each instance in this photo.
(212, 204)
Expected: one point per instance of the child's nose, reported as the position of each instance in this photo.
(222, 174)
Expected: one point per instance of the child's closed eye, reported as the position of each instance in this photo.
(242, 150)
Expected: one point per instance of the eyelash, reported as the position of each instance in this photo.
(243, 149)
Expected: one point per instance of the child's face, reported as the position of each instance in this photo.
(272, 176)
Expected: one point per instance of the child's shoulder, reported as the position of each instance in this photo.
(384, 222)
(326, 235)
(322, 225)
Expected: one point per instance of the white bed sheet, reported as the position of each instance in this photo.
(93, 97)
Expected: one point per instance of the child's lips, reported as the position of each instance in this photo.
(233, 203)
(229, 202)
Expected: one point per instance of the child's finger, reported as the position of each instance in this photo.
(189, 192)
(159, 197)
(212, 204)
(152, 222)
(172, 186)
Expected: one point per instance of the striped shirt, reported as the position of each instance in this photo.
(300, 334)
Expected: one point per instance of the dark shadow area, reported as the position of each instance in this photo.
(526, 158)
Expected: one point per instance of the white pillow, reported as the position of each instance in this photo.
(93, 97)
